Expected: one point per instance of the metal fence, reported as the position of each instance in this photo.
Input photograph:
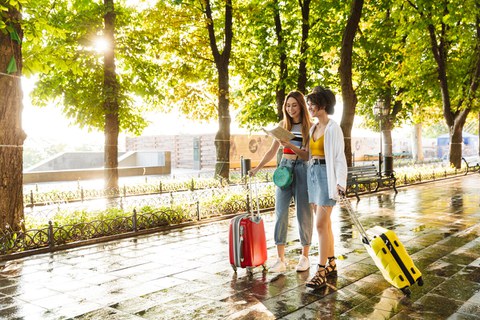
(177, 208)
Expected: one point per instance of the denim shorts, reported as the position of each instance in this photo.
(318, 185)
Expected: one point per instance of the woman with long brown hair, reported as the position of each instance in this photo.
(296, 119)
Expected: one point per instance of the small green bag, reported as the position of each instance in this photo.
(283, 177)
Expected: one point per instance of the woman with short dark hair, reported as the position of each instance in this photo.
(327, 177)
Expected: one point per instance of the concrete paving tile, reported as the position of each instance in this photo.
(241, 300)
(459, 240)
(78, 308)
(215, 293)
(463, 316)
(431, 281)
(461, 257)
(186, 305)
(27, 311)
(54, 302)
(328, 307)
(269, 286)
(470, 273)
(107, 314)
(430, 238)
(190, 288)
(163, 296)
(475, 298)
(357, 271)
(373, 309)
(192, 275)
(36, 294)
(256, 312)
(7, 282)
(372, 285)
(457, 288)
(99, 278)
(217, 279)
(432, 306)
(19, 288)
(289, 301)
(214, 310)
(8, 302)
(442, 268)
(471, 310)
(133, 305)
(221, 267)
(65, 284)
(166, 282)
(429, 255)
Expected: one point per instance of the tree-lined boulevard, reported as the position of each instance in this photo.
(419, 59)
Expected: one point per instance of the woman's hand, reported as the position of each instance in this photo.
(253, 172)
(285, 144)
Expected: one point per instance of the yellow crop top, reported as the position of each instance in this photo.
(317, 148)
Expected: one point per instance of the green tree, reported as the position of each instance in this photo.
(193, 45)
(379, 61)
(80, 76)
(283, 46)
(12, 135)
(450, 30)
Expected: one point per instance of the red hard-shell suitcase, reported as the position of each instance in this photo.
(247, 242)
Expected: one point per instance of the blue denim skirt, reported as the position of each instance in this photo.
(318, 185)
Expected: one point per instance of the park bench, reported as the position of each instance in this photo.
(368, 177)
(473, 164)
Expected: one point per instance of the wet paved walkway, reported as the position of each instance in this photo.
(185, 274)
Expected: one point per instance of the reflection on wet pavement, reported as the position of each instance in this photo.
(185, 274)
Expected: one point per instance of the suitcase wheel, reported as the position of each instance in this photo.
(234, 267)
(406, 291)
(420, 281)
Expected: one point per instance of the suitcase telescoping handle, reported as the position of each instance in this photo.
(348, 205)
(252, 211)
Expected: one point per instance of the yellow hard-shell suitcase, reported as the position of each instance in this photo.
(392, 259)
(388, 253)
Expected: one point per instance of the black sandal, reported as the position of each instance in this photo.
(331, 270)
(319, 280)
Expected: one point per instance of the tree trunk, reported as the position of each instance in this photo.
(12, 135)
(280, 92)
(222, 138)
(345, 72)
(417, 150)
(222, 61)
(302, 67)
(456, 139)
(111, 108)
(386, 127)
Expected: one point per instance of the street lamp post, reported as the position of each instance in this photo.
(380, 112)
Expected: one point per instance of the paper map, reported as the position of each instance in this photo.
(280, 133)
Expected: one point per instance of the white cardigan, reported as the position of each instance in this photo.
(334, 158)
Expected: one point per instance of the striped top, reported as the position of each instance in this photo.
(297, 141)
